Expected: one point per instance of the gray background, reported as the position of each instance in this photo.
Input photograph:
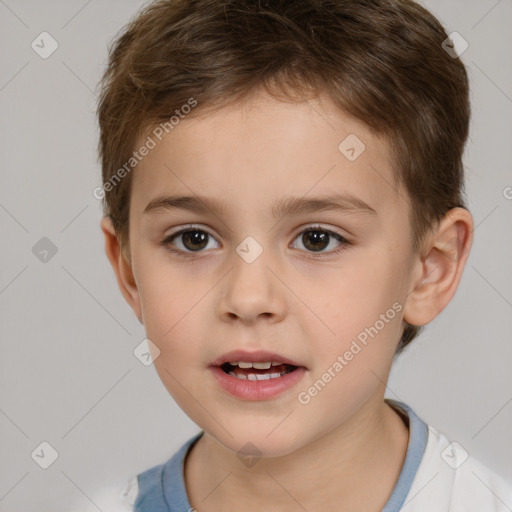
(68, 374)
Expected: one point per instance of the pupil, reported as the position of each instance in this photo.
(314, 237)
(194, 238)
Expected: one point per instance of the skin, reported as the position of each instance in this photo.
(345, 448)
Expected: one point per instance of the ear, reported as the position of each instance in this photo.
(122, 267)
(439, 267)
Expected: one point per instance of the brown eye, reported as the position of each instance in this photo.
(317, 240)
(188, 241)
(194, 240)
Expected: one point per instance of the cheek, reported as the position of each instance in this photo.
(170, 308)
(172, 322)
(362, 308)
(364, 289)
(165, 294)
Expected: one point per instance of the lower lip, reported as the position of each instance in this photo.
(257, 389)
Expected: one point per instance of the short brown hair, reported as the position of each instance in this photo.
(380, 61)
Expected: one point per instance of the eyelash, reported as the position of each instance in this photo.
(190, 255)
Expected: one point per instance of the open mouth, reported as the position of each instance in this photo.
(257, 371)
(256, 376)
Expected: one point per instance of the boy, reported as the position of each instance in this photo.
(282, 192)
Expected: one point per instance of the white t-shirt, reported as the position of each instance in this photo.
(437, 476)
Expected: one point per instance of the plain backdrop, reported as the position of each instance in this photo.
(68, 373)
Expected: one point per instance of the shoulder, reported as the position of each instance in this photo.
(129, 494)
(144, 491)
(449, 478)
(161, 487)
(117, 496)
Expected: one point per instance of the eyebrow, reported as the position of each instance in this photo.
(345, 203)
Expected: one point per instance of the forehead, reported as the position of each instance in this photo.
(251, 153)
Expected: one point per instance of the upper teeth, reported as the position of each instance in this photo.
(259, 366)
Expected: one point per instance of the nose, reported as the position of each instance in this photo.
(253, 291)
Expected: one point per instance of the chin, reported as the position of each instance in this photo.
(257, 440)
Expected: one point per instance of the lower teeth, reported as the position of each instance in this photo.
(257, 376)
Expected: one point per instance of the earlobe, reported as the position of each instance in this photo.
(440, 267)
(122, 267)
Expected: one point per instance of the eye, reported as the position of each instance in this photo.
(315, 239)
(189, 240)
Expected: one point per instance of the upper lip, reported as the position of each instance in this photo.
(252, 357)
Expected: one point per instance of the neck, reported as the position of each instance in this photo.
(353, 467)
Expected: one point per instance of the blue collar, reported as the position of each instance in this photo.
(162, 488)
(418, 436)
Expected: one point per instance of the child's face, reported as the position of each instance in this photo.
(304, 308)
